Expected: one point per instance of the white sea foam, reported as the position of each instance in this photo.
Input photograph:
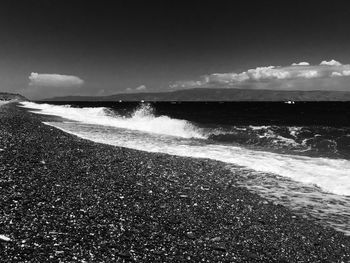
(3, 102)
(294, 131)
(142, 119)
(141, 129)
(332, 175)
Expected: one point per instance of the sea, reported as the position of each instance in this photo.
(296, 154)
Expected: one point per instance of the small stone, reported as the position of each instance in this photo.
(216, 239)
(190, 235)
(4, 238)
(219, 247)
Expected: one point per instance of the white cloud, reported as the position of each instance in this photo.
(42, 86)
(189, 83)
(225, 77)
(299, 75)
(260, 73)
(141, 88)
(54, 80)
(336, 74)
(270, 72)
(346, 72)
(343, 73)
(309, 74)
(301, 64)
(330, 63)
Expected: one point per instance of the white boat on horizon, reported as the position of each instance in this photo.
(290, 102)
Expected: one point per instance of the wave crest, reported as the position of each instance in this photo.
(142, 119)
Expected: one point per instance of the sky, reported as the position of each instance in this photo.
(56, 48)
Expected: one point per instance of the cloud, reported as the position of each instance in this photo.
(270, 72)
(327, 75)
(309, 74)
(343, 73)
(54, 80)
(346, 72)
(336, 74)
(42, 86)
(141, 88)
(330, 63)
(301, 64)
(188, 83)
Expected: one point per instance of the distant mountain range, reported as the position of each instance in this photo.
(209, 94)
(10, 96)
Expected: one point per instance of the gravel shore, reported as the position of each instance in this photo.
(65, 199)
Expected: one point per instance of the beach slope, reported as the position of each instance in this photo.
(65, 199)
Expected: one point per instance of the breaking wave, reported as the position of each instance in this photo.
(142, 119)
(314, 141)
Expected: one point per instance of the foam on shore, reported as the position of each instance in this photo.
(3, 102)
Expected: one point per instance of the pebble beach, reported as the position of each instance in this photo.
(66, 199)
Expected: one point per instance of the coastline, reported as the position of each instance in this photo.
(69, 199)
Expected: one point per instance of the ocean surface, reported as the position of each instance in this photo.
(297, 155)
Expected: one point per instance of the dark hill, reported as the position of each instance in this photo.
(206, 94)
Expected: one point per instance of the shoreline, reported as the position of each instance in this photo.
(69, 199)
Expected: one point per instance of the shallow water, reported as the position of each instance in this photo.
(306, 200)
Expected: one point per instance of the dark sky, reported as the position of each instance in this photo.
(119, 46)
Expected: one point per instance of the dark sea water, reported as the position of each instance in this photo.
(294, 154)
(314, 128)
